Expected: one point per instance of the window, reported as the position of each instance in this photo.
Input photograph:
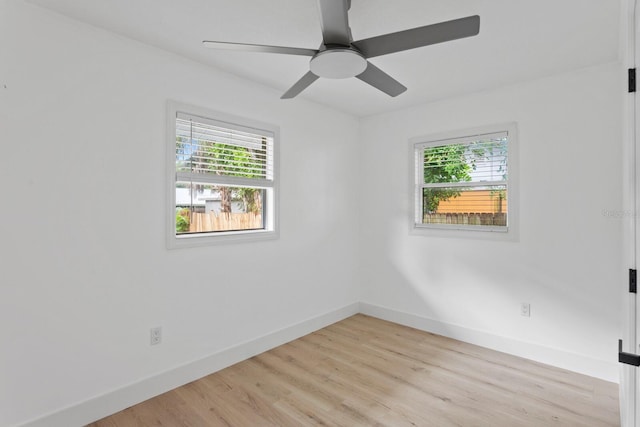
(223, 177)
(463, 181)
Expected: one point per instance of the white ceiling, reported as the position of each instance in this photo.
(519, 40)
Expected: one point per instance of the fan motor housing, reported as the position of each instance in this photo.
(338, 63)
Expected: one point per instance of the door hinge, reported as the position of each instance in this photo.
(632, 80)
(627, 358)
(633, 281)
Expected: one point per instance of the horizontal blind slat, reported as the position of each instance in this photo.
(464, 184)
(463, 140)
(205, 121)
(230, 181)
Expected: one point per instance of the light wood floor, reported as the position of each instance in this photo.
(367, 372)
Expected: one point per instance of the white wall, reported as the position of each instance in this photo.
(82, 281)
(567, 262)
(83, 112)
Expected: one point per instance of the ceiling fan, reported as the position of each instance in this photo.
(340, 57)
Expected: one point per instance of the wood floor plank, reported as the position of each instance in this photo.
(440, 397)
(488, 377)
(364, 371)
(549, 385)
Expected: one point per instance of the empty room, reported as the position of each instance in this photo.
(318, 212)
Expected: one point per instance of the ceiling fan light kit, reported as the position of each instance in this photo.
(340, 57)
(338, 63)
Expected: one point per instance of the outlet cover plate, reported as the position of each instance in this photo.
(155, 336)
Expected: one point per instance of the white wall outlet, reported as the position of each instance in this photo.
(155, 336)
(525, 309)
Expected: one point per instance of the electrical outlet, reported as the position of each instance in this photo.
(525, 309)
(155, 336)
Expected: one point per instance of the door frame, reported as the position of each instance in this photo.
(629, 375)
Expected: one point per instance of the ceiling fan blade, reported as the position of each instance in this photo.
(381, 80)
(419, 37)
(334, 21)
(300, 85)
(259, 48)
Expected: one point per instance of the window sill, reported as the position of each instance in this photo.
(462, 232)
(209, 239)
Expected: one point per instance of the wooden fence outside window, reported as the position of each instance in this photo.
(210, 221)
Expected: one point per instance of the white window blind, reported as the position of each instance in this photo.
(485, 156)
(210, 151)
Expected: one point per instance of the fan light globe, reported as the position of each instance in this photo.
(338, 63)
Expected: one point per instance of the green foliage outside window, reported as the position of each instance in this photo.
(454, 163)
(444, 164)
(227, 160)
(182, 220)
(232, 160)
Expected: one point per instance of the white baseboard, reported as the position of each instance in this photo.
(606, 370)
(106, 404)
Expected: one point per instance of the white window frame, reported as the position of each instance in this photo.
(510, 232)
(271, 205)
